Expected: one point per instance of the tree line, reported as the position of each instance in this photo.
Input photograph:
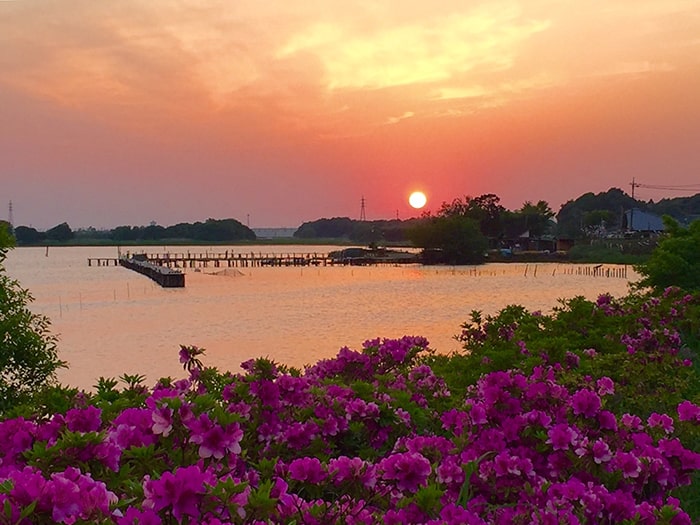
(211, 230)
(584, 217)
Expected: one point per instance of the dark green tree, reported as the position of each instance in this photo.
(152, 232)
(484, 209)
(28, 235)
(61, 232)
(573, 215)
(124, 233)
(676, 259)
(28, 355)
(598, 218)
(536, 217)
(335, 228)
(453, 239)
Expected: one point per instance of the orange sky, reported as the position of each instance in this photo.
(122, 112)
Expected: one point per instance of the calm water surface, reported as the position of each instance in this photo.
(111, 320)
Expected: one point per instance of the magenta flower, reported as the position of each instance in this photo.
(601, 452)
(629, 464)
(132, 428)
(631, 421)
(477, 414)
(561, 436)
(162, 418)
(133, 516)
(84, 420)
(605, 386)
(267, 392)
(505, 464)
(607, 420)
(29, 486)
(344, 469)
(688, 411)
(410, 470)
(663, 421)
(213, 439)
(585, 403)
(182, 490)
(309, 470)
(359, 409)
(65, 499)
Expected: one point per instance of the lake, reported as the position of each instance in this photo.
(111, 320)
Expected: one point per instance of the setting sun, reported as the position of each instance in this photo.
(417, 199)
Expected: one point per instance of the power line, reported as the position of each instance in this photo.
(688, 187)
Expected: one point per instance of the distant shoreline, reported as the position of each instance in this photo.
(582, 254)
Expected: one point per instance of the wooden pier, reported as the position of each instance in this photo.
(166, 277)
(253, 260)
(103, 261)
(165, 268)
(237, 260)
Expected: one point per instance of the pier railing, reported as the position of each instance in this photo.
(251, 260)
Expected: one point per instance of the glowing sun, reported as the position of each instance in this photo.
(417, 199)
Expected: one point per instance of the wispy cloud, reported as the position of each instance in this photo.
(433, 50)
(396, 120)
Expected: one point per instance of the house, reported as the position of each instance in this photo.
(641, 221)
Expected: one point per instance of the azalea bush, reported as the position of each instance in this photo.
(648, 344)
(370, 436)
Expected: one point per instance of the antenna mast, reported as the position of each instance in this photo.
(363, 217)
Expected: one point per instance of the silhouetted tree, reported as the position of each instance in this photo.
(571, 219)
(537, 217)
(28, 235)
(61, 232)
(484, 209)
(450, 239)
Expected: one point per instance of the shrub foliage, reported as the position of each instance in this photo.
(28, 356)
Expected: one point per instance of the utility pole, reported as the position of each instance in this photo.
(630, 226)
(363, 217)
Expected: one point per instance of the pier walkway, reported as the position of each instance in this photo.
(165, 277)
(251, 260)
(239, 260)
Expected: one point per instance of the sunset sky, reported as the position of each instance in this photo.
(118, 112)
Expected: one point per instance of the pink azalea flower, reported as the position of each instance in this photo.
(661, 421)
(605, 386)
(601, 452)
(309, 470)
(162, 418)
(628, 463)
(585, 403)
(84, 419)
(410, 470)
(181, 490)
(561, 436)
(688, 411)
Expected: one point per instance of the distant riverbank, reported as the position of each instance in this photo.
(578, 254)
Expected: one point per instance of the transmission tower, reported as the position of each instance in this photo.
(363, 217)
(10, 217)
